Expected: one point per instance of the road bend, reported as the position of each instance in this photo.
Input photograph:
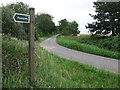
(111, 65)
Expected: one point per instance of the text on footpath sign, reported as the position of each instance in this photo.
(22, 18)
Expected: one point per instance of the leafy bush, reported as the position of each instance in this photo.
(109, 43)
(10, 27)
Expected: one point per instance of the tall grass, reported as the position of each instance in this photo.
(55, 72)
(92, 49)
(50, 71)
(15, 61)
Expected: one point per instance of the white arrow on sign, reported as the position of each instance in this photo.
(22, 18)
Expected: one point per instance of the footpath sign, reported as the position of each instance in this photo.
(22, 18)
(30, 19)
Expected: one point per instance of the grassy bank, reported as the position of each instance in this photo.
(55, 72)
(80, 45)
(50, 71)
(15, 63)
(106, 42)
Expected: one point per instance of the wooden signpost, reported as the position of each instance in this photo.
(31, 45)
(24, 18)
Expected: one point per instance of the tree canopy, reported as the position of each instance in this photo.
(9, 26)
(68, 28)
(107, 18)
(44, 24)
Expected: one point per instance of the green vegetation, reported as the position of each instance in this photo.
(15, 63)
(106, 42)
(68, 28)
(44, 25)
(92, 49)
(10, 27)
(106, 18)
(51, 71)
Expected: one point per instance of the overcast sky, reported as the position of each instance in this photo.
(72, 10)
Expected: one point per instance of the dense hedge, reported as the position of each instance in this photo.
(110, 43)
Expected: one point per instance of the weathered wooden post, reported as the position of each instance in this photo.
(0, 48)
(30, 19)
(32, 46)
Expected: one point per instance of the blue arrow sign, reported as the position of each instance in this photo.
(22, 18)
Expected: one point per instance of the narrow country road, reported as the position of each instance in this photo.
(84, 58)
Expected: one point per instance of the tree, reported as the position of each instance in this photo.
(107, 18)
(68, 28)
(62, 26)
(9, 26)
(74, 28)
(45, 24)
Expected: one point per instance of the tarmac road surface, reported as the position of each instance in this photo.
(104, 63)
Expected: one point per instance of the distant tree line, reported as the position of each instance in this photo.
(44, 24)
(107, 18)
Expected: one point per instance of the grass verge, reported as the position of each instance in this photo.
(55, 72)
(50, 71)
(92, 49)
(15, 62)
